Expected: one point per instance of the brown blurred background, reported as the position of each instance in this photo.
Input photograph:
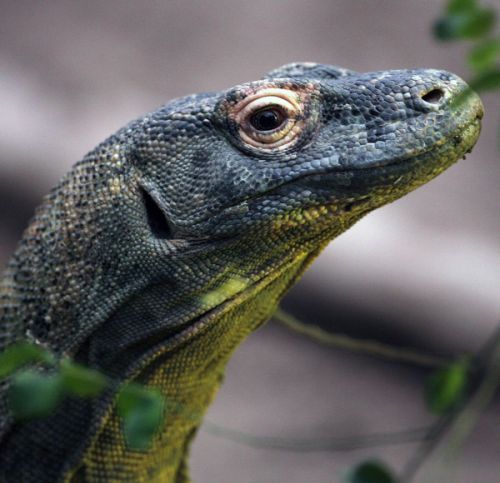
(421, 273)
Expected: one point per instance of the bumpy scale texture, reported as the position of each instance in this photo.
(169, 243)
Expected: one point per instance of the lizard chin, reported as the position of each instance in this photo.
(370, 188)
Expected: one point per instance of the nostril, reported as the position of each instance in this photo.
(434, 96)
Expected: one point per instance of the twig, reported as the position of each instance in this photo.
(347, 443)
(428, 445)
(450, 433)
(368, 347)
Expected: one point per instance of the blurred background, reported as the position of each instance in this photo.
(422, 273)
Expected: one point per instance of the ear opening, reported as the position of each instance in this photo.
(158, 223)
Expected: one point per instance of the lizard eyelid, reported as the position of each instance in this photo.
(269, 119)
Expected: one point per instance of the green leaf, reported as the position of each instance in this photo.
(446, 387)
(486, 81)
(485, 55)
(470, 25)
(81, 381)
(33, 394)
(461, 6)
(129, 396)
(142, 413)
(371, 472)
(20, 354)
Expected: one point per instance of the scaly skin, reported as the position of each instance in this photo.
(167, 245)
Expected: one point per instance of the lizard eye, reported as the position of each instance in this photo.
(269, 119)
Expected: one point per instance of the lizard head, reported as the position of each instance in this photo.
(232, 185)
(305, 152)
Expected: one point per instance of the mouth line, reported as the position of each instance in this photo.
(455, 138)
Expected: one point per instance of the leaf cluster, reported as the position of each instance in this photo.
(36, 391)
(469, 20)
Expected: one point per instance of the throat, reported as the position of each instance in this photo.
(188, 371)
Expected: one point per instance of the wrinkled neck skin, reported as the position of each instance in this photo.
(173, 328)
(189, 367)
(185, 361)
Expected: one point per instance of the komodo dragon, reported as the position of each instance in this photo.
(175, 238)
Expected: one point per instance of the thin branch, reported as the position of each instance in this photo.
(441, 449)
(347, 443)
(368, 347)
(425, 450)
(467, 419)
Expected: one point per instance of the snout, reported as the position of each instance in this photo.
(443, 90)
(387, 117)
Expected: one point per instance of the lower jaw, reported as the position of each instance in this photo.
(394, 180)
(371, 188)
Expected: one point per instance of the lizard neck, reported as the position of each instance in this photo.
(188, 371)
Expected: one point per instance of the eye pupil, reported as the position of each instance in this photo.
(266, 119)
